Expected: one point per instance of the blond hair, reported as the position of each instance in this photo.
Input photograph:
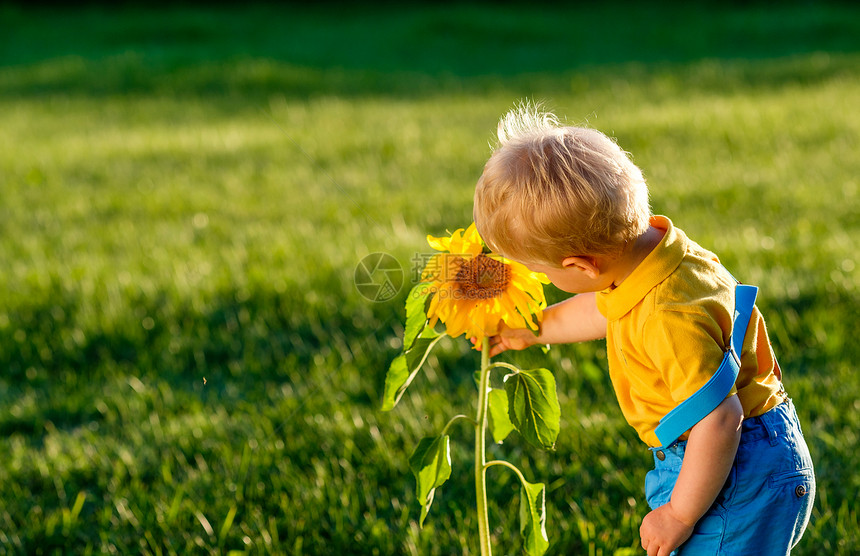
(551, 191)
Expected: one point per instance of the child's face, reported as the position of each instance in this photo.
(573, 277)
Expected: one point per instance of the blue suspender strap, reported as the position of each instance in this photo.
(708, 397)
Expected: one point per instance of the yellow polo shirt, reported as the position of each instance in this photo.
(669, 324)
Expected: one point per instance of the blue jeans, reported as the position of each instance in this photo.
(765, 504)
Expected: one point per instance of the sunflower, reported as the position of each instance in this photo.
(474, 292)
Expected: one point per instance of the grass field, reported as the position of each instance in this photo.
(187, 365)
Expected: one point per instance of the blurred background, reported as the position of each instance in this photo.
(186, 192)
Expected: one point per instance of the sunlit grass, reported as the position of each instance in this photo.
(188, 366)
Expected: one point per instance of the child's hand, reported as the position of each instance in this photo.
(662, 531)
(510, 338)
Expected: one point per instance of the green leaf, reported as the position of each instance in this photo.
(431, 465)
(416, 315)
(533, 518)
(500, 423)
(396, 377)
(405, 366)
(398, 373)
(533, 406)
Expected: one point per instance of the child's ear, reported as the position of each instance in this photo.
(588, 265)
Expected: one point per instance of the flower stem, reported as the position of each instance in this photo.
(453, 419)
(508, 366)
(509, 465)
(480, 450)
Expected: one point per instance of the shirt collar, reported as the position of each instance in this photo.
(656, 267)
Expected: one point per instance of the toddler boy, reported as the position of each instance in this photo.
(568, 202)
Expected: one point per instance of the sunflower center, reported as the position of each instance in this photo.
(481, 277)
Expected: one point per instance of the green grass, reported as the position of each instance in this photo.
(187, 365)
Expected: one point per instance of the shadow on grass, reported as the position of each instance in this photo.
(241, 345)
(284, 424)
(287, 423)
(413, 51)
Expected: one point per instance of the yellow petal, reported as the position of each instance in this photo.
(522, 303)
(439, 243)
(457, 322)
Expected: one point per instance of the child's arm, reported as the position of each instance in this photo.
(575, 319)
(709, 455)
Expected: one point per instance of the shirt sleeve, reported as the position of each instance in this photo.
(686, 348)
